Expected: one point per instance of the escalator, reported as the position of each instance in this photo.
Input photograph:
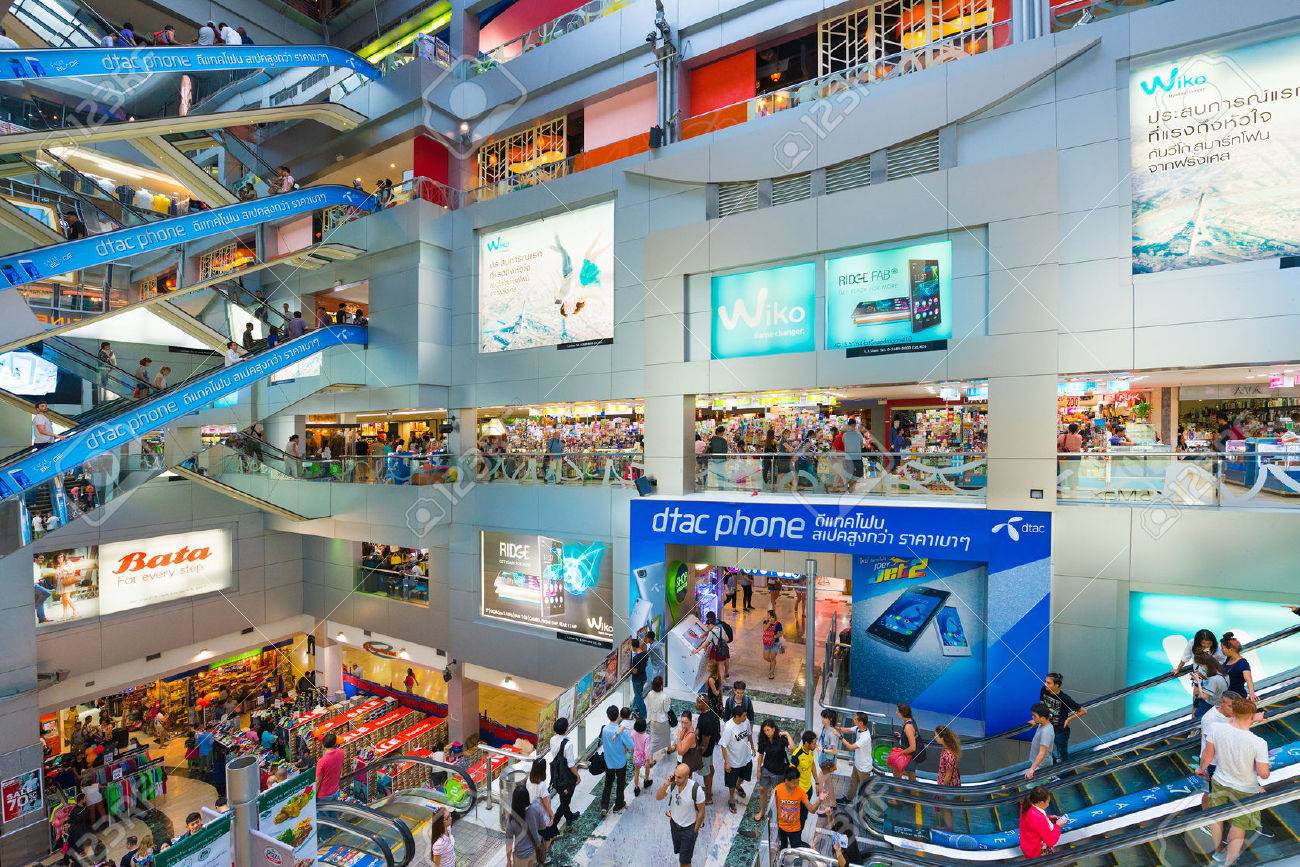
(345, 832)
(1111, 784)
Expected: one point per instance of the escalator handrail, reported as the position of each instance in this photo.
(1271, 796)
(1124, 692)
(403, 831)
(944, 796)
(384, 849)
(385, 761)
(145, 216)
(233, 294)
(91, 359)
(79, 197)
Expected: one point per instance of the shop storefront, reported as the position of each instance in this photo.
(395, 572)
(1109, 416)
(939, 596)
(581, 428)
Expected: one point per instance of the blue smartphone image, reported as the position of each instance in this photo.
(17, 66)
(952, 635)
(30, 267)
(907, 616)
(35, 63)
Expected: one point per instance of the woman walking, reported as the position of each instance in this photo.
(949, 770)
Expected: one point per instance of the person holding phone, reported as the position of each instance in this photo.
(1040, 831)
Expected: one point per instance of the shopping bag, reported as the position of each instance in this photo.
(897, 760)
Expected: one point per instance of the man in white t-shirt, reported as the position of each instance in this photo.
(737, 754)
(1240, 761)
(5, 41)
(861, 746)
(42, 431)
(685, 811)
(207, 34)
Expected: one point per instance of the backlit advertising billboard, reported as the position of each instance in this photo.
(147, 571)
(889, 301)
(551, 584)
(765, 312)
(1216, 174)
(548, 282)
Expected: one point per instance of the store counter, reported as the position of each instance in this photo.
(1245, 461)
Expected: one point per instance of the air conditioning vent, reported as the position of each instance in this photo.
(916, 157)
(737, 198)
(849, 175)
(794, 188)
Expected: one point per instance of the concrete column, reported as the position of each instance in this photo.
(669, 442)
(464, 439)
(329, 664)
(462, 707)
(1022, 442)
(464, 33)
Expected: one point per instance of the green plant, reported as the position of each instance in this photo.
(1142, 410)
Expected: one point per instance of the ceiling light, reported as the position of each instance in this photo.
(508, 682)
(341, 638)
(403, 654)
(392, 165)
(203, 654)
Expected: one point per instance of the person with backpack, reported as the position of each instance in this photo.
(685, 812)
(708, 732)
(717, 641)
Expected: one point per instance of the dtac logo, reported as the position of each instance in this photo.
(1173, 82)
(763, 314)
(1015, 526)
(497, 244)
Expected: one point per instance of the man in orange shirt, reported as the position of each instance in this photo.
(789, 797)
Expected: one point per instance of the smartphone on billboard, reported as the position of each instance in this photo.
(30, 267)
(18, 69)
(905, 619)
(881, 310)
(37, 68)
(11, 274)
(553, 581)
(952, 636)
(924, 278)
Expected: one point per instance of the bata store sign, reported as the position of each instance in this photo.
(147, 571)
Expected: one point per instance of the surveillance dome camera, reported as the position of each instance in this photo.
(650, 37)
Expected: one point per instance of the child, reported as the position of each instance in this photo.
(640, 756)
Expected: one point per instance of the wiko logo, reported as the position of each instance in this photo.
(497, 244)
(764, 314)
(1172, 83)
(599, 626)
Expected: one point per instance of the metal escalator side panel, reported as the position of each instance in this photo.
(176, 163)
(327, 825)
(16, 219)
(200, 331)
(149, 414)
(236, 494)
(373, 822)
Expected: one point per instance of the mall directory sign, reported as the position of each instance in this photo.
(76, 583)
(765, 312)
(1216, 174)
(551, 584)
(889, 301)
(548, 282)
(1161, 624)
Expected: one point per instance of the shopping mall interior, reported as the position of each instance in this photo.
(460, 433)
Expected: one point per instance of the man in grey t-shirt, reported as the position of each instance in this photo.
(1040, 748)
(853, 449)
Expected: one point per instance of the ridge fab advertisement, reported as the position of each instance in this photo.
(766, 312)
(147, 571)
(548, 282)
(889, 301)
(548, 583)
(1215, 167)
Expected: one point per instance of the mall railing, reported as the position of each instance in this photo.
(976, 40)
(394, 584)
(410, 190)
(547, 33)
(1265, 476)
(604, 468)
(1072, 13)
(533, 177)
(962, 475)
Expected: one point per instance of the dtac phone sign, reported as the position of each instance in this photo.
(548, 282)
(764, 312)
(148, 571)
(890, 301)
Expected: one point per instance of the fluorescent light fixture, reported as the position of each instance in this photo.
(341, 638)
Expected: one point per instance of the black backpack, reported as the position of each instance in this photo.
(561, 774)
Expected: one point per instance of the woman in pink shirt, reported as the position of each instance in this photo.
(1039, 831)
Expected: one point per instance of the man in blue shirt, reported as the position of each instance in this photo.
(615, 744)
(203, 743)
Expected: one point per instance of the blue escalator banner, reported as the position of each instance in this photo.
(73, 62)
(80, 446)
(45, 262)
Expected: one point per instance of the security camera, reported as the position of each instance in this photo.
(651, 37)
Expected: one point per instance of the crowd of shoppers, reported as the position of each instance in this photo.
(209, 33)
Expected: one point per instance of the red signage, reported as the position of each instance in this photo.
(364, 709)
(20, 796)
(405, 736)
(374, 725)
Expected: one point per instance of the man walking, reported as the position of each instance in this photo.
(746, 590)
(738, 699)
(640, 662)
(861, 746)
(685, 812)
(853, 452)
(615, 744)
(1240, 761)
(737, 755)
(1040, 748)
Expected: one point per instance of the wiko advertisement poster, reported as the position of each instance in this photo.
(548, 583)
(889, 301)
(548, 282)
(1216, 171)
(918, 633)
(765, 312)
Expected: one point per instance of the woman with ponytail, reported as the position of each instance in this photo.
(1039, 830)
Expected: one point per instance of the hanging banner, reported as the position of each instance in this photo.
(71, 63)
(74, 450)
(20, 796)
(44, 263)
(287, 813)
(210, 847)
(890, 301)
(766, 312)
